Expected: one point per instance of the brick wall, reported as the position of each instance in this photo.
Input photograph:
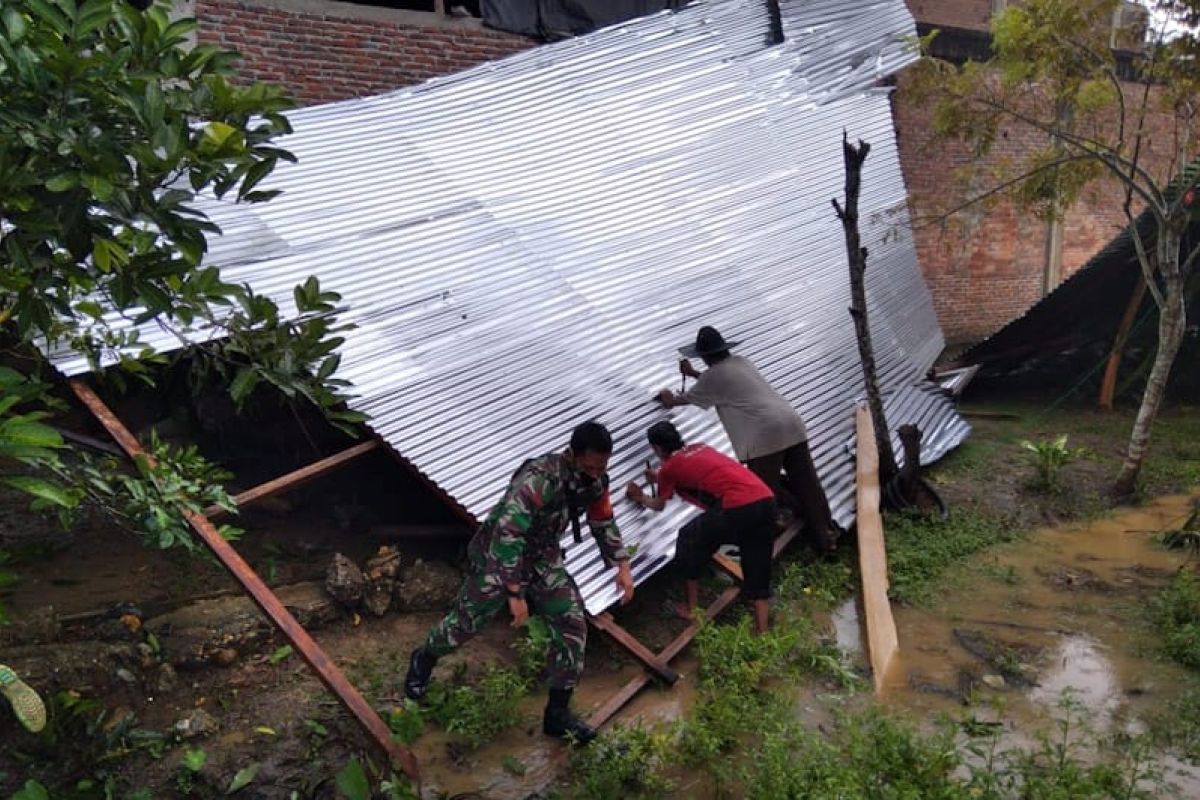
(986, 265)
(968, 14)
(323, 51)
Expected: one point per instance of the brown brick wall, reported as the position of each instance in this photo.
(987, 265)
(323, 51)
(969, 14)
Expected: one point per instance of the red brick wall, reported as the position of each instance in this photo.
(987, 264)
(323, 51)
(969, 14)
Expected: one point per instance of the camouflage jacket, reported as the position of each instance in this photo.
(521, 533)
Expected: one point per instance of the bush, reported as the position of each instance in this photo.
(1176, 614)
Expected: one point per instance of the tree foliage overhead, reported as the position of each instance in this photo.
(1124, 115)
(113, 126)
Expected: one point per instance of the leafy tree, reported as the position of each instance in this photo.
(111, 128)
(1053, 70)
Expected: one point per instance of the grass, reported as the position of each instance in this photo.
(920, 551)
(1175, 613)
(1178, 729)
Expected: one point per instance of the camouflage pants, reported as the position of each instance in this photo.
(551, 594)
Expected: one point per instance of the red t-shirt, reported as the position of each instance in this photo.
(709, 479)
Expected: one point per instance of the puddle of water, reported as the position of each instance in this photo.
(1045, 618)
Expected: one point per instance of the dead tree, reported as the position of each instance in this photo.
(854, 158)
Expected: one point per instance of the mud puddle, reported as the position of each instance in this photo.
(1052, 620)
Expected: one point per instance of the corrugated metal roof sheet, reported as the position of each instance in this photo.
(523, 246)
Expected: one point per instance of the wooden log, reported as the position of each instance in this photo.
(652, 662)
(266, 600)
(730, 567)
(295, 478)
(883, 645)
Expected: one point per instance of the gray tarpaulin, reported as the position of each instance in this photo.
(559, 19)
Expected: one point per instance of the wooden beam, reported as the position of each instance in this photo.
(730, 567)
(266, 600)
(677, 645)
(680, 642)
(606, 623)
(883, 644)
(295, 478)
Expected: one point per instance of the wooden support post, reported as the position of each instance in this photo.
(296, 477)
(730, 567)
(655, 664)
(266, 600)
(1108, 386)
(677, 645)
(883, 644)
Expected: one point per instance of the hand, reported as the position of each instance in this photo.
(633, 492)
(520, 611)
(651, 475)
(686, 368)
(666, 397)
(624, 582)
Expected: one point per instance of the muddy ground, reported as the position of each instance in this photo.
(151, 654)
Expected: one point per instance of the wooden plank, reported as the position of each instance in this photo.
(606, 623)
(296, 477)
(730, 567)
(883, 644)
(677, 645)
(266, 600)
(680, 642)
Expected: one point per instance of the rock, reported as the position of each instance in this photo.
(427, 586)
(119, 716)
(167, 681)
(993, 681)
(146, 654)
(344, 581)
(125, 675)
(224, 656)
(197, 723)
(309, 603)
(380, 577)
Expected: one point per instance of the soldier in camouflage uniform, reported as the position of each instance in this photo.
(515, 559)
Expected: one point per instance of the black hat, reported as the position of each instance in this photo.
(709, 341)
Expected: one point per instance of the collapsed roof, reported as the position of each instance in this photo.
(524, 245)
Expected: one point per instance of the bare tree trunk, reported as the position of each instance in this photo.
(854, 158)
(1172, 317)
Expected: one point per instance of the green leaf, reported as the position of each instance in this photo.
(194, 760)
(242, 384)
(281, 654)
(62, 182)
(352, 781)
(20, 431)
(243, 778)
(43, 489)
(32, 790)
(14, 23)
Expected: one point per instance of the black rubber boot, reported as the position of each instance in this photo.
(561, 723)
(420, 670)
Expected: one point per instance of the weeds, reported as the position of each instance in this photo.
(1175, 612)
(1178, 729)
(1049, 456)
(822, 582)
(920, 550)
(476, 713)
(626, 763)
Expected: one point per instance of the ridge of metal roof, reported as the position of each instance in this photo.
(524, 245)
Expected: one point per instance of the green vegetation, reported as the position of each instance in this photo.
(920, 550)
(1049, 456)
(475, 712)
(1178, 729)
(1175, 612)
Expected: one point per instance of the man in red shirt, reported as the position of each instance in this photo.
(739, 508)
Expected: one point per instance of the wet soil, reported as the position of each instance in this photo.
(1022, 624)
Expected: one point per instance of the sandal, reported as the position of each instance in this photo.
(25, 702)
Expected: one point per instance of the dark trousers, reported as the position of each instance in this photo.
(751, 527)
(802, 491)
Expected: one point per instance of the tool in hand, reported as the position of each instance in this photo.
(653, 488)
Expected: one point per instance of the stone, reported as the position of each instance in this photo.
(380, 580)
(344, 581)
(125, 675)
(197, 723)
(994, 681)
(167, 680)
(224, 656)
(427, 586)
